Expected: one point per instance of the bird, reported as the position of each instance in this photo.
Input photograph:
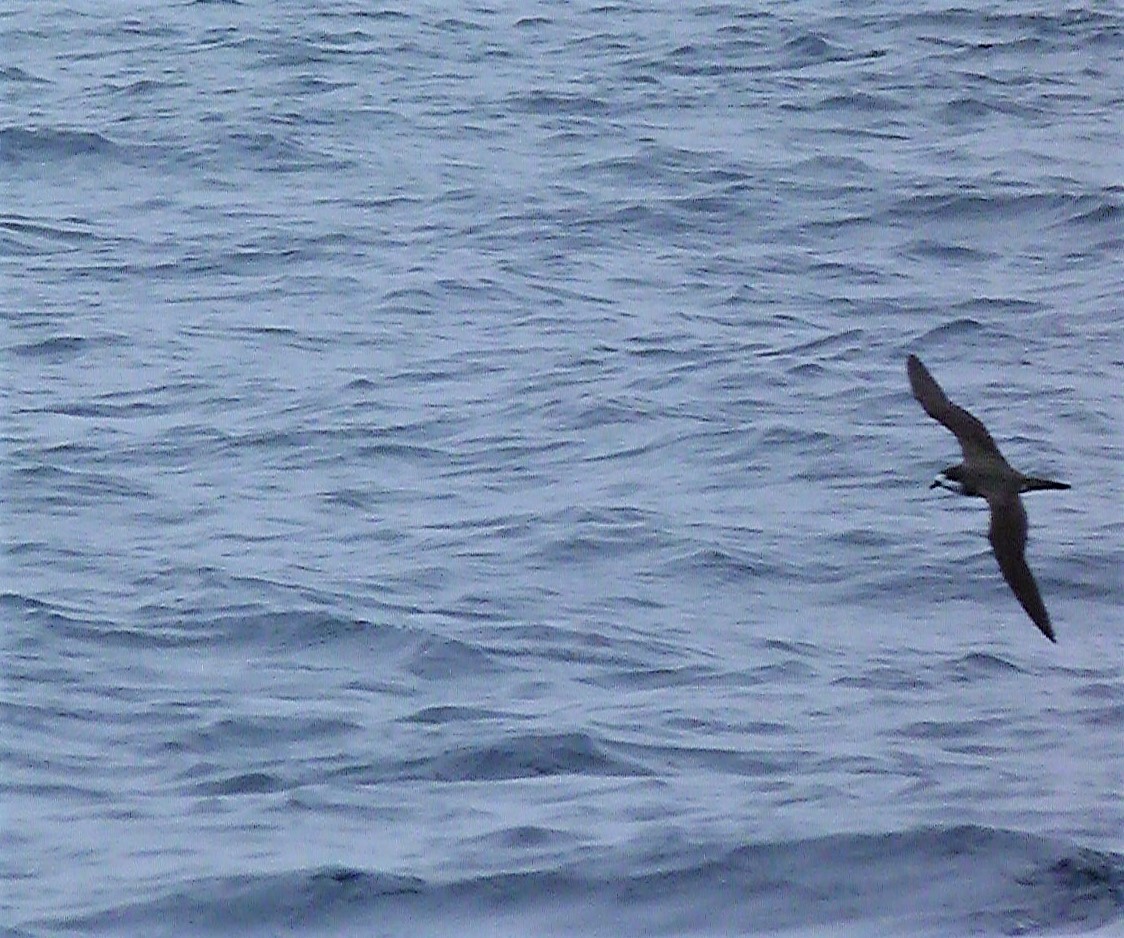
(986, 474)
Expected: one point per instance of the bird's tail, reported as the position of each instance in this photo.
(1031, 484)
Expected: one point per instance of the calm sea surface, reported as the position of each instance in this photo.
(460, 477)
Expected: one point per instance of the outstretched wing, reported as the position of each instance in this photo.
(1008, 539)
(975, 442)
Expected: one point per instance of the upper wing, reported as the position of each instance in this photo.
(975, 441)
(1008, 539)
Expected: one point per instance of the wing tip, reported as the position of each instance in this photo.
(919, 377)
(1037, 613)
(1047, 630)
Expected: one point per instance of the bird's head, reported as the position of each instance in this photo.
(952, 479)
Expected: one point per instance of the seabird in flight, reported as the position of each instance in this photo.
(986, 474)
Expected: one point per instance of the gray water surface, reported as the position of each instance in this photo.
(461, 477)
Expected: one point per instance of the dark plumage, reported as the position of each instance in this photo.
(986, 474)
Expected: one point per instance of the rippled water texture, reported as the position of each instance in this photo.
(460, 475)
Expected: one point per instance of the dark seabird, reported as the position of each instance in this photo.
(986, 474)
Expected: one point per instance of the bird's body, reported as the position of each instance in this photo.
(986, 474)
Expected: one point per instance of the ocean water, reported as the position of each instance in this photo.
(460, 475)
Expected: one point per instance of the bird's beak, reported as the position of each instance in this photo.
(935, 484)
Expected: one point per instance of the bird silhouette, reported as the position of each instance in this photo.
(986, 474)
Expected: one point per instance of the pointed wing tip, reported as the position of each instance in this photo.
(1039, 616)
(919, 378)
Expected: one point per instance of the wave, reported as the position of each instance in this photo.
(928, 881)
(29, 145)
(528, 756)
